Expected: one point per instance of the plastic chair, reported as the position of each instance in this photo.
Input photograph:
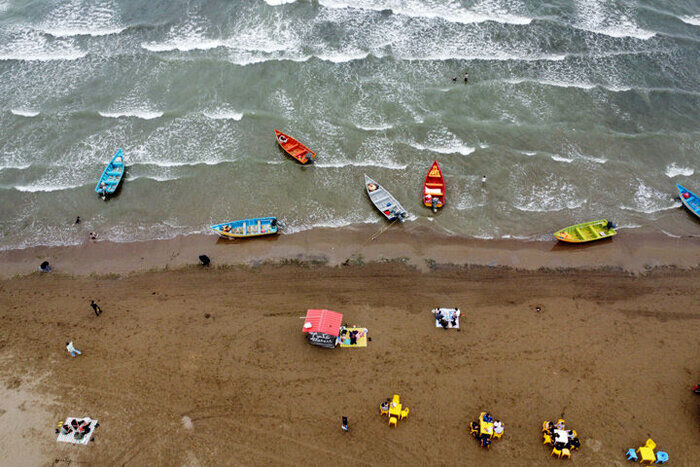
(392, 421)
(474, 429)
(650, 444)
(556, 452)
(547, 439)
(661, 457)
(574, 433)
(546, 426)
(632, 455)
(498, 435)
(404, 413)
(383, 411)
(565, 454)
(561, 422)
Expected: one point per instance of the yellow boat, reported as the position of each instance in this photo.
(586, 232)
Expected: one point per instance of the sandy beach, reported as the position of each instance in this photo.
(195, 366)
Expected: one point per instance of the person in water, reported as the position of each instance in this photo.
(466, 77)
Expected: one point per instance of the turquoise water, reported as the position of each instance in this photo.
(575, 110)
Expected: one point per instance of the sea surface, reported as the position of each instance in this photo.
(575, 110)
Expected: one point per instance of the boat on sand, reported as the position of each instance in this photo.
(247, 227)
(434, 188)
(384, 201)
(294, 148)
(586, 232)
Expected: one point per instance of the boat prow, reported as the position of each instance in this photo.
(689, 199)
(384, 201)
(586, 232)
(294, 148)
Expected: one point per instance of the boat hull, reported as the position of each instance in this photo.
(112, 175)
(294, 148)
(689, 199)
(434, 188)
(384, 201)
(585, 232)
(247, 228)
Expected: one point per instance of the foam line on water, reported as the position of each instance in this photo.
(649, 200)
(142, 114)
(674, 170)
(42, 187)
(24, 112)
(222, 114)
(694, 20)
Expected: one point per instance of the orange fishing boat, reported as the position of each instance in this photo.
(294, 148)
(434, 188)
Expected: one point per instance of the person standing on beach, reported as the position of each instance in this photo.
(483, 179)
(466, 78)
(72, 350)
(344, 425)
(77, 220)
(96, 308)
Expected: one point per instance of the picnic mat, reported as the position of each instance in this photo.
(361, 341)
(70, 437)
(448, 313)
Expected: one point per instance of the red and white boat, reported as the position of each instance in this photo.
(434, 188)
(294, 148)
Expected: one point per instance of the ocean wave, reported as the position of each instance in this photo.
(185, 44)
(279, 2)
(67, 31)
(42, 56)
(183, 163)
(223, 115)
(342, 57)
(548, 205)
(558, 158)
(24, 112)
(380, 127)
(601, 17)
(551, 195)
(15, 167)
(142, 114)
(157, 178)
(449, 13)
(648, 200)
(330, 224)
(42, 187)
(384, 165)
(694, 20)
(568, 84)
(669, 234)
(674, 170)
(459, 148)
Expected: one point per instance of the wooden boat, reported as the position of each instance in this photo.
(586, 232)
(434, 188)
(294, 148)
(247, 228)
(112, 175)
(689, 199)
(384, 201)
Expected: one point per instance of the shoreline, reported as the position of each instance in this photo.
(417, 246)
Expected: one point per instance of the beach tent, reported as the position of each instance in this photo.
(322, 327)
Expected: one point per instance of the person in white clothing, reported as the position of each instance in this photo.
(498, 427)
(72, 350)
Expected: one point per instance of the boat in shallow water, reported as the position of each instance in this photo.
(689, 199)
(384, 201)
(586, 232)
(112, 175)
(434, 188)
(294, 148)
(247, 227)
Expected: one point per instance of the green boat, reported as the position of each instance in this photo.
(586, 232)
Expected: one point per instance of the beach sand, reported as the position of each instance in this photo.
(200, 366)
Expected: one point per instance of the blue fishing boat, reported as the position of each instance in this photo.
(247, 228)
(689, 199)
(109, 181)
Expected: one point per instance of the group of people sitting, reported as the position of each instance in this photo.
(447, 319)
(552, 432)
(80, 428)
(485, 438)
(347, 337)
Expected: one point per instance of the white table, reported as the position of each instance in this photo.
(561, 436)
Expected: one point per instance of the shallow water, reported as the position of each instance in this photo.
(574, 111)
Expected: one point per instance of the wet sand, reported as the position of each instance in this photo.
(209, 366)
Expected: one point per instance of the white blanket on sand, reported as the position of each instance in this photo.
(70, 437)
(448, 314)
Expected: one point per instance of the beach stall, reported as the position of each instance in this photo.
(647, 453)
(394, 409)
(485, 429)
(322, 327)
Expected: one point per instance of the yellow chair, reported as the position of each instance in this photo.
(392, 422)
(546, 425)
(556, 452)
(498, 435)
(547, 439)
(565, 454)
(650, 444)
(383, 411)
(404, 413)
(396, 399)
(573, 432)
(474, 430)
(561, 421)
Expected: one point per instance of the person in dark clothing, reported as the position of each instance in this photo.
(466, 77)
(77, 220)
(454, 79)
(204, 259)
(45, 266)
(344, 426)
(96, 308)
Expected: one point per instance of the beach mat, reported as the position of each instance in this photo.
(70, 437)
(448, 313)
(361, 342)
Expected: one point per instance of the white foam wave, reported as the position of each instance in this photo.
(15, 167)
(43, 187)
(609, 19)
(462, 149)
(340, 57)
(223, 115)
(24, 112)
(330, 224)
(558, 158)
(674, 170)
(143, 114)
(157, 178)
(81, 31)
(568, 84)
(551, 195)
(485, 11)
(380, 127)
(669, 234)
(183, 163)
(279, 2)
(648, 200)
(186, 44)
(384, 165)
(694, 20)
